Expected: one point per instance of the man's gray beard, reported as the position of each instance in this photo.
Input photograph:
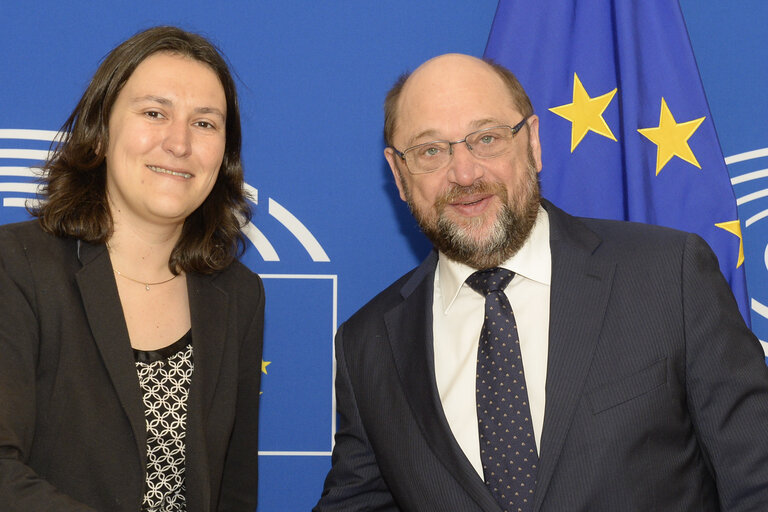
(509, 232)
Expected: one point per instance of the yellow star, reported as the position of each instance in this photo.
(264, 365)
(585, 113)
(671, 138)
(734, 227)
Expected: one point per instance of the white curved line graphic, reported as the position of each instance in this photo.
(302, 234)
(758, 216)
(24, 172)
(759, 308)
(21, 202)
(754, 175)
(751, 197)
(28, 188)
(260, 242)
(257, 238)
(24, 154)
(749, 155)
(49, 135)
(253, 192)
(749, 176)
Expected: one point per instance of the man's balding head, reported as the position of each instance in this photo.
(446, 65)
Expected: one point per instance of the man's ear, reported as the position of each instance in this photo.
(533, 140)
(392, 160)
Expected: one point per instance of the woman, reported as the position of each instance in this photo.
(130, 337)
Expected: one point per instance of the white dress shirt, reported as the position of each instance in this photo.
(458, 313)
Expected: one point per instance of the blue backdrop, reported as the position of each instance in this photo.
(329, 224)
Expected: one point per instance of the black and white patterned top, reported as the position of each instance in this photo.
(165, 376)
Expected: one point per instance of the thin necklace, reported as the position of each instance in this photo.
(146, 285)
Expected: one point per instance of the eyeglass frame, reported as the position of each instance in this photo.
(515, 129)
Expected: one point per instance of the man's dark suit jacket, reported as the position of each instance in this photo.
(72, 428)
(656, 391)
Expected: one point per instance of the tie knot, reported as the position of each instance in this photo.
(490, 280)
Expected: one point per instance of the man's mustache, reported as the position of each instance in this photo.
(457, 192)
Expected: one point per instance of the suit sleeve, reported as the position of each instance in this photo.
(354, 481)
(240, 477)
(727, 383)
(21, 488)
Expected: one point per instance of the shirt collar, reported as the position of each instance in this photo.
(533, 261)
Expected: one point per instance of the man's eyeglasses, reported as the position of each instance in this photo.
(485, 143)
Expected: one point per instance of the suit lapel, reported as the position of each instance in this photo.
(208, 307)
(105, 317)
(581, 284)
(410, 336)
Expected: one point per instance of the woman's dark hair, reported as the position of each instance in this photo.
(74, 181)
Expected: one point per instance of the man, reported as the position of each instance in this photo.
(640, 388)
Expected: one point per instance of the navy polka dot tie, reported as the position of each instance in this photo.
(507, 444)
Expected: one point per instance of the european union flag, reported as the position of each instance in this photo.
(625, 127)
